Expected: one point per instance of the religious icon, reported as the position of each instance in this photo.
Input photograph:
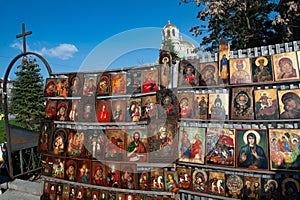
(165, 61)
(59, 141)
(128, 174)
(115, 144)
(289, 104)
(266, 104)
(80, 193)
(240, 71)
(62, 110)
(58, 168)
(242, 103)
(99, 173)
(47, 164)
(137, 145)
(191, 146)
(290, 188)
(209, 74)
(234, 186)
(50, 88)
(149, 108)
(74, 111)
(66, 191)
(134, 110)
(103, 110)
(188, 76)
(171, 181)
(157, 179)
(162, 140)
(70, 169)
(84, 171)
(185, 101)
(59, 191)
(89, 87)
(103, 84)
(52, 191)
(133, 82)
(44, 139)
(75, 143)
(95, 195)
(262, 69)
(94, 144)
(129, 197)
(76, 84)
(113, 174)
(118, 110)
(144, 180)
(46, 190)
(224, 55)
(220, 143)
(218, 106)
(88, 110)
(167, 103)
(121, 196)
(285, 66)
(50, 110)
(118, 84)
(270, 189)
(284, 149)
(216, 183)
(149, 80)
(252, 187)
(73, 191)
(200, 106)
(252, 149)
(184, 178)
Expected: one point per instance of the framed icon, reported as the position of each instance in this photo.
(216, 183)
(234, 186)
(115, 144)
(285, 66)
(128, 174)
(50, 110)
(209, 75)
(118, 111)
(84, 171)
(266, 104)
(133, 81)
(191, 146)
(184, 178)
(242, 103)
(99, 175)
(284, 149)
(218, 106)
(103, 84)
(167, 103)
(103, 110)
(220, 147)
(289, 104)
(252, 149)
(262, 69)
(240, 71)
(137, 145)
(75, 84)
(134, 110)
(89, 87)
(149, 108)
(185, 103)
(71, 169)
(149, 80)
(188, 75)
(118, 84)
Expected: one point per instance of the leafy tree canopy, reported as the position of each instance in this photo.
(246, 23)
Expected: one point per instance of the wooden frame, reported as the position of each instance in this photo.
(128, 173)
(89, 87)
(137, 145)
(285, 66)
(149, 80)
(134, 81)
(209, 75)
(242, 103)
(103, 84)
(240, 71)
(188, 75)
(118, 111)
(191, 147)
(220, 147)
(218, 107)
(262, 69)
(71, 169)
(75, 84)
(289, 104)
(168, 103)
(115, 144)
(185, 104)
(103, 110)
(216, 183)
(249, 143)
(118, 83)
(266, 104)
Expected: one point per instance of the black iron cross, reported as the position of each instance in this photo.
(23, 35)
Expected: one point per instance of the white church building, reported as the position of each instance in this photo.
(171, 34)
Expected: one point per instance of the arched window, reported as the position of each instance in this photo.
(173, 31)
(168, 33)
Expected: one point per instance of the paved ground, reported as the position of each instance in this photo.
(22, 190)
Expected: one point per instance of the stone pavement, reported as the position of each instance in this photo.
(22, 190)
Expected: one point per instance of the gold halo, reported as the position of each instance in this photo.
(255, 133)
(270, 180)
(200, 171)
(259, 58)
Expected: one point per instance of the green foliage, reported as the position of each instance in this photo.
(168, 45)
(27, 94)
(245, 23)
(1, 104)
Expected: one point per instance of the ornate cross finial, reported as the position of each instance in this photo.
(169, 22)
(23, 35)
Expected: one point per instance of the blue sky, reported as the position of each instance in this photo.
(91, 34)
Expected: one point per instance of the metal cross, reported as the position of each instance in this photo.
(23, 35)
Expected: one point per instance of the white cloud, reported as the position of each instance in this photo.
(62, 51)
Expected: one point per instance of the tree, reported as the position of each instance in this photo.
(27, 94)
(244, 23)
(168, 45)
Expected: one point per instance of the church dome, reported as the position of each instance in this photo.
(169, 25)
